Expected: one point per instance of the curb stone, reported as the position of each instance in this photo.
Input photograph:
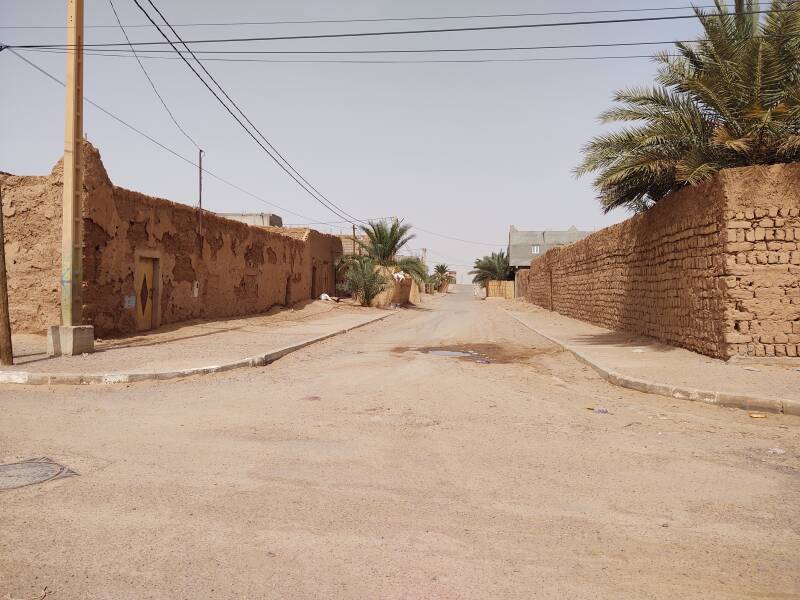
(260, 360)
(788, 407)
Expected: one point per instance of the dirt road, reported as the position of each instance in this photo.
(364, 468)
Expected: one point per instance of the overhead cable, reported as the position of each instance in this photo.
(161, 145)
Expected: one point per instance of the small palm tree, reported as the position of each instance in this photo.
(441, 274)
(363, 281)
(385, 242)
(492, 267)
(731, 99)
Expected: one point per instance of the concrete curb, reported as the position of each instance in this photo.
(260, 360)
(788, 407)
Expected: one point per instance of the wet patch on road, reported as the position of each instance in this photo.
(481, 353)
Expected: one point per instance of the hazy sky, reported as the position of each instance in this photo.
(461, 149)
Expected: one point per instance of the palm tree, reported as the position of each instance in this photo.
(441, 274)
(730, 99)
(385, 242)
(363, 280)
(492, 267)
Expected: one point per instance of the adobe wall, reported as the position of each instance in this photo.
(713, 268)
(32, 224)
(762, 269)
(240, 269)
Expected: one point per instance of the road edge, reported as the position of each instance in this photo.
(744, 402)
(260, 360)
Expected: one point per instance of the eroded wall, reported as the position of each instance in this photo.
(713, 268)
(239, 269)
(762, 253)
(32, 223)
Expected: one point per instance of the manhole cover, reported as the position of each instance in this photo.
(29, 472)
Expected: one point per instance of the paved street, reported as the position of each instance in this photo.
(367, 467)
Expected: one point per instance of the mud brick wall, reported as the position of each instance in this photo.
(239, 269)
(32, 223)
(712, 268)
(521, 283)
(762, 283)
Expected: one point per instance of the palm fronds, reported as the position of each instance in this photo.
(384, 241)
(492, 267)
(363, 280)
(730, 99)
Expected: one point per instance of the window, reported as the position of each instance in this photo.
(534, 249)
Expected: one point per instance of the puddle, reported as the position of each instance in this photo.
(485, 353)
(449, 353)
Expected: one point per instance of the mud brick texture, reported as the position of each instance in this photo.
(714, 268)
(239, 269)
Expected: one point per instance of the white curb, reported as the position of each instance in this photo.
(36, 378)
(789, 407)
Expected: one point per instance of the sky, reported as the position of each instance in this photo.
(460, 150)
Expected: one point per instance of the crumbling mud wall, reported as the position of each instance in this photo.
(714, 268)
(207, 266)
(32, 223)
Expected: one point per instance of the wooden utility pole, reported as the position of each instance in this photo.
(354, 241)
(6, 351)
(71, 237)
(200, 179)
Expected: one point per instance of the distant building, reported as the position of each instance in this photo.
(258, 219)
(524, 246)
(350, 244)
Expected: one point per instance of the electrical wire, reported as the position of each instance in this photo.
(125, 51)
(337, 210)
(289, 172)
(149, 79)
(515, 26)
(175, 153)
(389, 19)
(455, 239)
(368, 62)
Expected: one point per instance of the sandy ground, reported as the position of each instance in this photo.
(643, 358)
(367, 467)
(195, 344)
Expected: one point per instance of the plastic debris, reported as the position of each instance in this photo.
(325, 297)
(482, 361)
(600, 410)
(776, 451)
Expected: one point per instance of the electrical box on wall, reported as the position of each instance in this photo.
(196, 289)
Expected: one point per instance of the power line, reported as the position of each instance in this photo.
(455, 239)
(376, 61)
(152, 85)
(296, 178)
(320, 197)
(410, 31)
(124, 51)
(156, 142)
(388, 19)
(334, 222)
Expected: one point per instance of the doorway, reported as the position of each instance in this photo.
(144, 289)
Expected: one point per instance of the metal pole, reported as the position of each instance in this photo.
(354, 241)
(6, 351)
(200, 179)
(71, 235)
